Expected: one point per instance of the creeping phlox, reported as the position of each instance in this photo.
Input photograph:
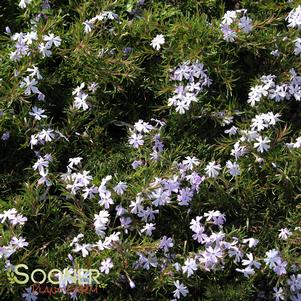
(157, 41)
(218, 251)
(30, 42)
(233, 22)
(191, 78)
(90, 24)
(12, 218)
(29, 83)
(294, 18)
(251, 140)
(24, 3)
(145, 131)
(278, 92)
(26, 44)
(123, 212)
(81, 97)
(44, 136)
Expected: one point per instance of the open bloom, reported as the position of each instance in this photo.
(136, 140)
(181, 289)
(30, 295)
(157, 41)
(106, 265)
(212, 169)
(263, 144)
(23, 3)
(189, 266)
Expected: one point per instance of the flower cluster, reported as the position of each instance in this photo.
(235, 21)
(277, 92)
(12, 218)
(217, 250)
(294, 18)
(191, 79)
(80, 97)
(145, 131)
(29, 42)
(103, 16)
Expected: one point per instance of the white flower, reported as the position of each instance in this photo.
(182, 106)
(46, 135)
(246, 271)
(250, 261)
(294, 18)
(272, 258)
(120, 188)
(278, 293)
(229, 17)
(88, 26)
(45, 50)
(100, 221)
(191, 162)
(30, 85)
(148, 229)
(272, 118)
(51, 39)
(23, 3)
(143, 127)
(30, 37)
(41, 164)
(85, 248)
(233, 168)
(252, 242)
(263, 144)
(37, 113)
(19, 242)
(136, 205)
(76, 239)
(80, 101)
(284, 233)
(256, 93)
(106, 265)
(189, 266)
(297, 49)
(78, 90)
(212, 169)
(8, 214)
(18, 219)
(157, 41)
(232, 131)
(278, 93)
(136, 140)
(238, 150)
(34, 72)
(181, 289)
(74, 161)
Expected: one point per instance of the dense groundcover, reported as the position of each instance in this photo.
(150, 150)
